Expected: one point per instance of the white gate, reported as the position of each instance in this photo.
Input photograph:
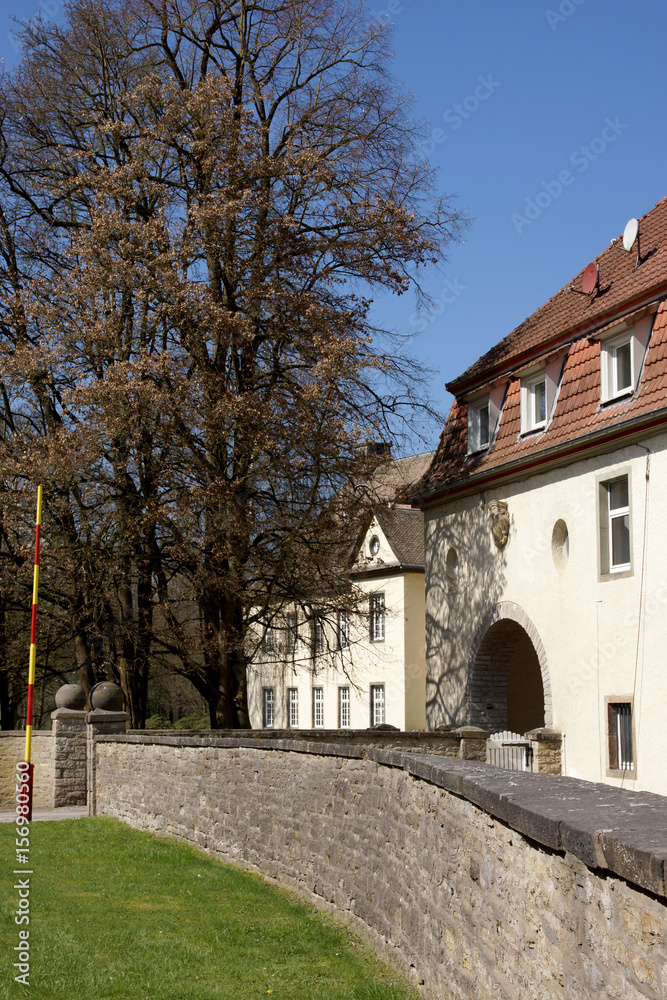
(510, 751)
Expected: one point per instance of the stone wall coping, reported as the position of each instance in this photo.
(544, 735)
(102, 715)
(72, 714)
(606, 827)
(471, 733)
(21, 732)
(321, 735)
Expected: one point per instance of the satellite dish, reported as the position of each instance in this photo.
(590, 279)
(630, 234)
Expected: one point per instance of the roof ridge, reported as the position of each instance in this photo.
(564, 314)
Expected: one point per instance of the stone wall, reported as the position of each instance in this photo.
(69, 731)
(12, 749)
(491, 884)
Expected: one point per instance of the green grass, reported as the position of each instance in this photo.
(119, 914)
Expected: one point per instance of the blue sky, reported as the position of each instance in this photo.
(543, 87)
(560, 71)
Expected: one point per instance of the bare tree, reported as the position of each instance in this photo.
(197, 197)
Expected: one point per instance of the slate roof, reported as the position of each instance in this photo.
(403, 527)
(404, 530)
(391, 479)
(567, 319)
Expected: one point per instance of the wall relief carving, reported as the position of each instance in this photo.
(499, 522)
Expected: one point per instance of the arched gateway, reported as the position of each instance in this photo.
(508, 676)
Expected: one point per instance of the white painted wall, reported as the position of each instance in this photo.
(589, 627)
(398, 662)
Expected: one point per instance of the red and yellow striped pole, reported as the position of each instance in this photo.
(33, 652)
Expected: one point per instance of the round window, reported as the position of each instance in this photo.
(374, 545)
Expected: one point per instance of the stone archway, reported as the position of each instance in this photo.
(508, 675)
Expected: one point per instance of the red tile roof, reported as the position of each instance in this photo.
(568, 312)
(567, 318)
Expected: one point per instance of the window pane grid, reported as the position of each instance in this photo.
(318, 707)
(292, 633)
(319, 635)
(343, 630)
(344, 707)
(293, 707)
(377, 618)
(377, 704)
(268, 708)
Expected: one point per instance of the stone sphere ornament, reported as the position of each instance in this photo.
(106, 696)
(71, 696)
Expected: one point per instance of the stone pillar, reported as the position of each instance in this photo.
(472, 744)
(547, 746)
(69, 733)
(105, 719)
(69, 736)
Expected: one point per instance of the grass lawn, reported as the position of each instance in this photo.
(115, 913)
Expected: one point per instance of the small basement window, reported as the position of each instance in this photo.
(620, 735)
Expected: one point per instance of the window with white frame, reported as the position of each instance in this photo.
(618, 376)
(343, 630)
(479, 425)
(534, 403)
(615, 526)
(292, 632)
(344, 707)
(318, 708)
(268, 639)
(268, 715)
(318, 635)
(622, 353)
(377, 617)
(292, 707)
(377, 704)
(620, 735)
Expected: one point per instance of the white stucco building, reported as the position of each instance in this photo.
(355, 671)
(546, 525)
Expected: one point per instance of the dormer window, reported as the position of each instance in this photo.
(483, 418)
(479, 425)
(534, 403)
(622, 352)
(618, 378)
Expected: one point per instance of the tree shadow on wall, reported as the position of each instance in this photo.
(465, 578)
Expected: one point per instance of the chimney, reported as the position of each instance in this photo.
(376, 451)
